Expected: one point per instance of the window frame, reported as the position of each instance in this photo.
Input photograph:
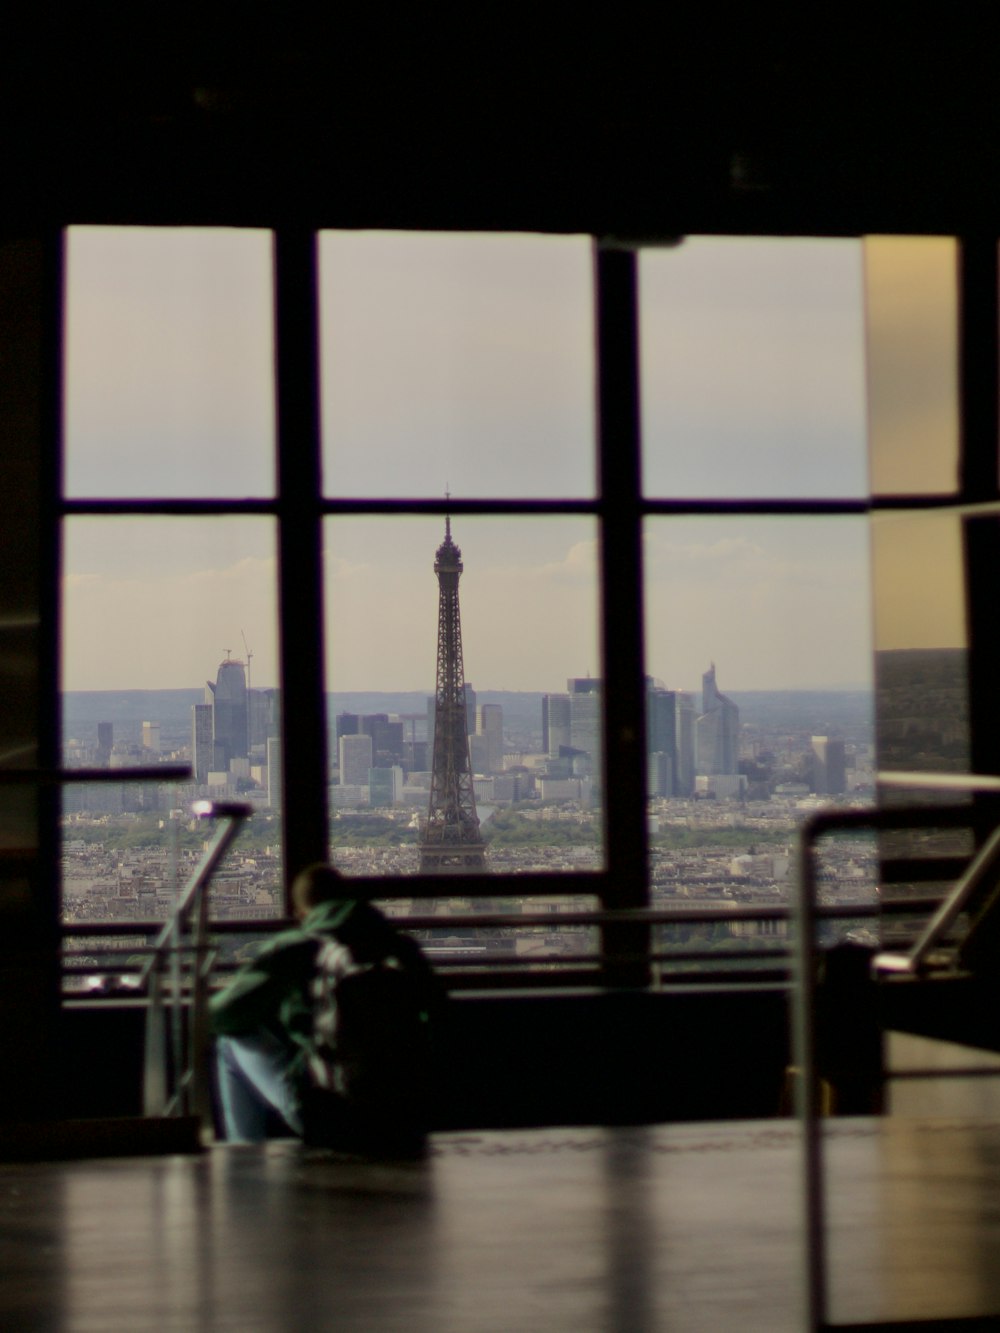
(619, 510)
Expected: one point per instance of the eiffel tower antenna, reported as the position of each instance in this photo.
(452, 842)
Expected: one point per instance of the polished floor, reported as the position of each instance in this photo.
(674, 1228)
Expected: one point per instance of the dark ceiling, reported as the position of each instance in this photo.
(631, 120)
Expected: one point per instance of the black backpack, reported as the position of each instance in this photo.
(369, 1057)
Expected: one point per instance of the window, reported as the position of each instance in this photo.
(618, 605)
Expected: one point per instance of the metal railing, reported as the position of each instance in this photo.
(176, 1077)
(983, 866)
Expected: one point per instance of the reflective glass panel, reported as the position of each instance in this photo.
(169, 362)
(457, 361)
(752, 356)
(921, 680)
(528, 736)
(911, 313)
(169, 656)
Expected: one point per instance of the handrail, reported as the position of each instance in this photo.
(191, 1091)
(806, 913)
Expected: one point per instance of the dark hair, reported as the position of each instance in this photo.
(316, 884)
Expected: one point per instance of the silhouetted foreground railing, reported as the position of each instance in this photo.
(176, 1077)
(982, 871)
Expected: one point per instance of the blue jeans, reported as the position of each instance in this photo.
(253, 1081)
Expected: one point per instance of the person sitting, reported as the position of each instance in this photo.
(325, 1032)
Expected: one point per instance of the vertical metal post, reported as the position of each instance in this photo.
(626, 834)
(806, 1085)
(979, 348)
(199, 1099)
(154, 1082)
(304, 768)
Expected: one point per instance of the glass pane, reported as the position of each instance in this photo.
(911, 311)
(920, 638)
(457, 361)
(528, 619)
(169, 656)
(923, 706)
(752, 357)
(759, 711)
(169, 362)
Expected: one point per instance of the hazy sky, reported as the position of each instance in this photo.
(467, 361)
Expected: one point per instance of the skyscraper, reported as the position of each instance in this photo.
(585, 723)
(105, 744)
(202, 742)
(490, 727)
(555, 723)
(829, 766)
(452, 841)
(355, 756)
(717, 732)
(230, 719)
(661, 739)
(684, 776)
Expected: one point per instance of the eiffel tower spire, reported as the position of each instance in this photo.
(452, 841)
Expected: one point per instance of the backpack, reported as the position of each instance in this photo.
(368, 1058)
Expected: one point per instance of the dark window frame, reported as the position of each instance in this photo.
(619, 509)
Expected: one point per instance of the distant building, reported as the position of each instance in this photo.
(355, 756)
(348, 724)
(661, 739)
(263, 717)
(387, 738)
(105, 744)
(202, 742)
(489, 726)
(670, 737)
(555, 723)
(151, 737)
(717, 730)
(829, 766)
(385, 786)
(274, 772)
(661, 774)
(585, 725)
(230, 718)
(684, 772)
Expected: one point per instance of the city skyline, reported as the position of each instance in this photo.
(785, 602)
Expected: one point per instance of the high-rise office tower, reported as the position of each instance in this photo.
(202, 742)
(355, 756)
(684, 773)
(151, 737)
(230, 720)
(385, 785)
(585, 722)
(105, 744)
(263, 718)
(489, 725)
(661, 739)
(717, 732)
(387, 738)
(452, 841)
(555, 723)
(829, 766)
(348, 724)
(470, 709)
(274, 772)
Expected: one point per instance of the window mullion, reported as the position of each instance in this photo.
(300, 588)
(621, 593)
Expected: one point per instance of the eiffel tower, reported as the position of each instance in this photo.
(452, 842)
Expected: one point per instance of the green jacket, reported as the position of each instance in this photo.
(273, 991)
